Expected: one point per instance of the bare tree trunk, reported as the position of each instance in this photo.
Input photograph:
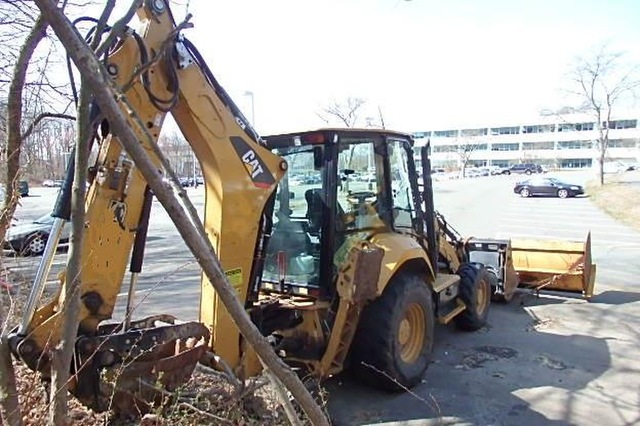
(100, 86)
(10, 411)
(63, 354)
(14, 119)
(8, 393)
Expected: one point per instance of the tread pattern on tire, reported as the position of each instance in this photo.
(375, 340)
(470, 275)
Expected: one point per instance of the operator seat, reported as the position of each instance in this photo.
(315, 208)
(289, 237)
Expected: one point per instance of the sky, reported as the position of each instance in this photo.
(425, 64)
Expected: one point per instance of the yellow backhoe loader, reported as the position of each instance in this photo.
(328, 237)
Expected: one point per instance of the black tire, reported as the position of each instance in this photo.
(563, 193)
(506, 172)
(378, 355)
(34, 244)
(524, 192)
(475, 293)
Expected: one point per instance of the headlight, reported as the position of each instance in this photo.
(575, 188)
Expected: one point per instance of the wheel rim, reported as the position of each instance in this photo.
(562, 193)
(36, 245)
(411, 333)
(482, 296)
(524, 192)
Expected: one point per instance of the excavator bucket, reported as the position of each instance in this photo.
(554, 265)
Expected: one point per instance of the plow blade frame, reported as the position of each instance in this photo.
(495, 255)
(555, 265)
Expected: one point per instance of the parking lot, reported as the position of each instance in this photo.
(555, 359)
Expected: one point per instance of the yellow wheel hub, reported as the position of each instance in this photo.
(411, 333)
(482, 296)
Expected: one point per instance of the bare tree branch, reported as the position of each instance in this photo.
(41, 117)
(347, 113)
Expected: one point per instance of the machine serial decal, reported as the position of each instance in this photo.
(234, 276)
(256, 168)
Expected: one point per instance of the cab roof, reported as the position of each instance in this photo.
(324, 135)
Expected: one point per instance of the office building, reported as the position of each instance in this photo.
(558, 142)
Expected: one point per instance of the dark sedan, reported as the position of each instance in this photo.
(550, 187)
(30, 238)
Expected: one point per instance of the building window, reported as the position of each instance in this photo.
(528, 146)
(505, 130)
(575, 127)
(474, 132)
(574, 145)
(445, 133)
(445, 148)
(623, 124)
(505, 146)
(421, 135)
(622, 143)
(540, 128)
(575, 163)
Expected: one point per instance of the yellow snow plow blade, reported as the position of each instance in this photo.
(555, 265)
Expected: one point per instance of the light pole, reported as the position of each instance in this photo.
(253, 107)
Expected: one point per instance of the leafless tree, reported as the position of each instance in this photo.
(177, 150)
(464, 149)
(14, 141)
(346, 113)
(601, 82)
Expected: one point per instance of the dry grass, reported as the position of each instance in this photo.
(619, 197)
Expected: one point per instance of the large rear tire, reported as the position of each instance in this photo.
(475, 293)
(393, 344)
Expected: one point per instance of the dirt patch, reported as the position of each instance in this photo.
(618, 197)
(482, 354)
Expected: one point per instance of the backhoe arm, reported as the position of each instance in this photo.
(158, 72)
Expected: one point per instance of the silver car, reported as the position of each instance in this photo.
(30, 239)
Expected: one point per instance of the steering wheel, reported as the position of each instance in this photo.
(360, 196)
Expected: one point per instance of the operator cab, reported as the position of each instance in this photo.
(342, 186)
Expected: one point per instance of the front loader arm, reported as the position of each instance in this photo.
(159, 74)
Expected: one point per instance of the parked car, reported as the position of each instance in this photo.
(23, 188)
(547, 186)
(524, 168)
(495, 170)
(438, 174)
(50, 183)
(472, 172)
(30, 238)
